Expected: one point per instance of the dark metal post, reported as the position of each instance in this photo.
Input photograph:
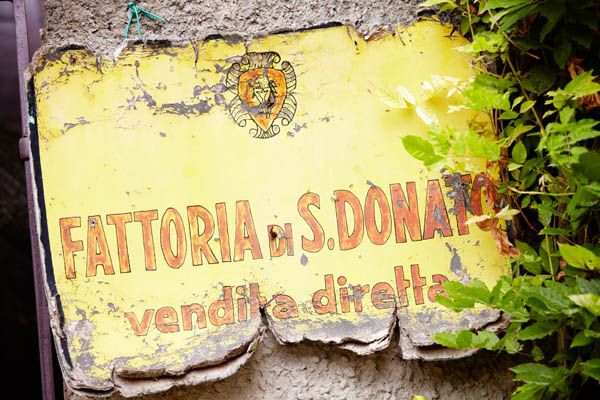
(43, 319)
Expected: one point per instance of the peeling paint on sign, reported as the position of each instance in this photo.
(191, 197)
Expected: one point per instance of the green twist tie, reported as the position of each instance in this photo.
(133, 9)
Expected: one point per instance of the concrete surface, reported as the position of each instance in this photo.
(101, 25)
(313, 371)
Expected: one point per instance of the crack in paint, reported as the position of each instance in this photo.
(456, 265)
(70, 125)
(459, 192)
(181, 108)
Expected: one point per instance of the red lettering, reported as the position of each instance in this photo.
(376, 196)
(437, 289)
(305, 201)
(401, 285)
(436, 216)
(245, 234)
(406, 212)
(418, 283)
(329, 294)
(140, 329)
(166, 320)
(172, 217)
(69, 246)
(119, 221)
(146, 218)
(200, 245)
(97, 253)
(348, 241)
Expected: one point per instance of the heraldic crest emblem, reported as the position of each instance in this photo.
(262, 93)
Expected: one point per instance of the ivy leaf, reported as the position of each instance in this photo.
(582, 85)
(509, 115)
(481, 146)
(485, 340)
(539, 330)
(492, 83)
(418, 147)
(518, 131)
(581, 340)
(554, 231)
(547, 300)
(530, 259)
(588, 286)
(584, 17)
(446, 339)
(537, 353)
(593, 188)
(541, 78)
(426, 115)
(581, 5)
(538, 373)
(592, 368)
(515, 15)
(435, 162)
(562, 51)
(393, 99)
(439, 139)
(464, 339)
(514, 166)
(579, 257)
(588, 167)
(478, 218)
(506, 213)
(493, 4)
(545, 213)
(454, 305)
(529, 391)
(486, 42)
(519, 153)
(588, 301)
(526, 106)
(583, 130)
(429, 3)
(483, 99)
(591, 333)
(552, 11)
(509, 342)
(580, 35)
(438, 84)
(566, 115)
(405, 94)
(476, 292)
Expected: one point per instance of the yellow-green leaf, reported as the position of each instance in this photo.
(589, 301)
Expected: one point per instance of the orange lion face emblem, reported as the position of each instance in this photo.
(262, 93)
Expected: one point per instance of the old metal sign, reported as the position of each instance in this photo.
(190, 197)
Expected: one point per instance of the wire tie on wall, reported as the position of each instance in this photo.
(135, 10)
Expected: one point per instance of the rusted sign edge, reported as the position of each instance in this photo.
(42, 318)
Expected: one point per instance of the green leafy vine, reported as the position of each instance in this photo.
(538, 90)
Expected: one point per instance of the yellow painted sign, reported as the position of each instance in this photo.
(191, 197)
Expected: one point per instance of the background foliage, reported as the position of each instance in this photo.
(538, 88)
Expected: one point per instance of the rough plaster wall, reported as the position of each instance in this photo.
(307, 370)
(100, 25)
(315, 371)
